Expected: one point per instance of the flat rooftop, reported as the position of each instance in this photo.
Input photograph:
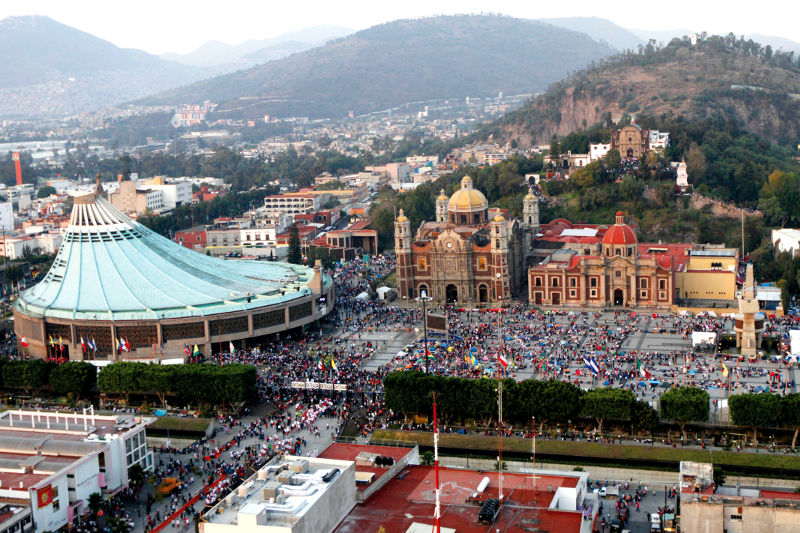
(349, 452)
(30, 451)
(410, 498)
(279, 494)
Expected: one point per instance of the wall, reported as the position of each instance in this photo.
(47, 518)
(333, 506)
(86, 479)
(707, 284)
(698, 517)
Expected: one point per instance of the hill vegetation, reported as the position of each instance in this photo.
(399, 62)
(723, 79)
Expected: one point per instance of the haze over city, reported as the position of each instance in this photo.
(181, 26)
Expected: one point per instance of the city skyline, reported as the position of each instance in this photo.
(181, 27)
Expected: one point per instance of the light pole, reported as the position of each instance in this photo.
(423, 297)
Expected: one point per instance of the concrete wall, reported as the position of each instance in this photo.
(698, 517)
(333, 506)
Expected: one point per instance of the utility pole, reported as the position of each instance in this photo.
(423, 297)
(500, 438)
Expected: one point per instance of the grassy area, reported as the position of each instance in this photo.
(596, 451)
(181, 424)
(390, 279)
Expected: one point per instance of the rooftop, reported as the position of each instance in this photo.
(410, 498)
(110, 267)
(279, 494)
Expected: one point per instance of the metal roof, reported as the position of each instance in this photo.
(110, 267)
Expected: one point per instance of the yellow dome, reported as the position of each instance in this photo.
(401, 217)
(442, 196)
(498, 218)
(467, 198)
(530, 195)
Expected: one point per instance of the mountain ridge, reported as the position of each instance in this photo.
(398, 62)
(721, 79)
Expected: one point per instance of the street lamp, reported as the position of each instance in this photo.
(423, 297)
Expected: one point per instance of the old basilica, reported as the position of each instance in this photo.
(471, 255)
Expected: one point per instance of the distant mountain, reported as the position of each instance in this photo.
(660, 36)
(251, 52)
(721, 78)
(400, 62)
(601, 30)
(776, 42)
(50, 69)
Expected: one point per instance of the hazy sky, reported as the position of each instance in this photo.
(182, 25)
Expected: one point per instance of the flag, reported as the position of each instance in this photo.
(83, 345)
(724, 370)
(232, 349)
(186, 350)
(60, 341)
(93, 345)
(503, 361)
(321, 365)
(24, 342)
(196, 350)
(333, 365)
(591, 364)
(126, 345)
(642, 370)
(44, 496)
(52, 342)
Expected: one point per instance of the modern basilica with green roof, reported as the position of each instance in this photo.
(114, 279)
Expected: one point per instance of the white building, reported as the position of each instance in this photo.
(294, 204)
(786, 240)
(658, 139)
(288, 495)
(51, 462)
(46, 243)
(174, 193)
(598, 151)
(682, 177)
(6, 216)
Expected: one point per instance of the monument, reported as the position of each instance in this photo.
(749, 321)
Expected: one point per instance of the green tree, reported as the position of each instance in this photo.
(643, 417)
(295, 255)
(29, 375)
(608, 403)
(45, 191)
(685, 404)
(95, 503)
(755, 410)
(791, 413)
(76, 377)
(555, 148)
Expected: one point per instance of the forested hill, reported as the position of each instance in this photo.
(400, 62)
(720, 78)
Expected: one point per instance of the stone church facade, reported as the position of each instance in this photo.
(471, 255)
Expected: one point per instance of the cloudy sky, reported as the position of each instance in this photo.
(159, 26)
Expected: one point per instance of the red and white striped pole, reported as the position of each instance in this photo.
(437, 509)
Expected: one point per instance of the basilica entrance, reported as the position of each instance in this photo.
(619, 299)
(451, 294)
(483, 294)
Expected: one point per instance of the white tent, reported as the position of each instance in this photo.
(794, 341)
(703, 337)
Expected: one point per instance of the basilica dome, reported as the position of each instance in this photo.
(467, 199)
